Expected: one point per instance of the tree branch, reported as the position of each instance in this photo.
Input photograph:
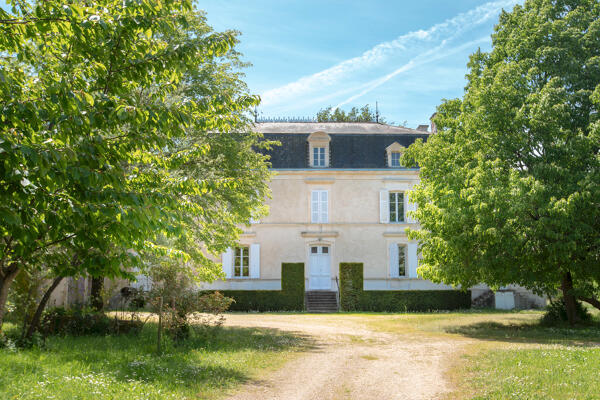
(591, 300)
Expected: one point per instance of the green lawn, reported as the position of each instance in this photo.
(508, 355)
(126, 367)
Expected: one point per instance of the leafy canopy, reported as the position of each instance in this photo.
(122, 133)
(510, 184)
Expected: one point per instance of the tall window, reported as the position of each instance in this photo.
(401, 260)
(395, 160)
(396, 207)
(318, 206)
(241, 262)
(318, 156)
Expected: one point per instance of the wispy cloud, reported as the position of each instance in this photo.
(425, 46)
(427, 57)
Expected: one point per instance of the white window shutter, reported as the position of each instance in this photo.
(227, 262)
(393, 267)
(413, 261)
(255, 261)
(314, 206)
(384, 206)
(409, 206)
(324, 206)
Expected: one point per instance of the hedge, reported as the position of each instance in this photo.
(354, 298)
(289, 298)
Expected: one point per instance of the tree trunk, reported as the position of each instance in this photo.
(6, 279)
(35, 320)
(96, 300)
(569, 298)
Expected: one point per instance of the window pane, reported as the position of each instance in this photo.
(325, 250)
(400, 207)
(313, 250)
(402, 260)
(395, 159)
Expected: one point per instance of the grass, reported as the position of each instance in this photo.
(127, 367)
(507, 355)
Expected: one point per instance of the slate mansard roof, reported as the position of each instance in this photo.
(353, 145)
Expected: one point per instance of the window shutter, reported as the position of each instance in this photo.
(384, 206)
(393, 267)
(227, 260)
(255, 261)
(323, 205)
(314, 206)
(409, 206)
(413, 261)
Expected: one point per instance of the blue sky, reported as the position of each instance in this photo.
(309, 54)
(406, 55)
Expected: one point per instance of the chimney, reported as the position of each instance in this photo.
(433, 127)
(423, 128)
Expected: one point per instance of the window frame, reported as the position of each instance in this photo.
(396, 204)
(322, 209)
(403, 258)
(392, 157)
(318, 156)
(242, 257)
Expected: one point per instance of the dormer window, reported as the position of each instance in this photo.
(395, 161)
(318, 157)
(318, 150)
(394, 154)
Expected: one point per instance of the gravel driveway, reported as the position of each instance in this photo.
(351, 361)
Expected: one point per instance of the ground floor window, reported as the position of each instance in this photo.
(401, 260)
(241, 262)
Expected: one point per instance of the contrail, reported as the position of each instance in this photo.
(421, 59)
(379, 53)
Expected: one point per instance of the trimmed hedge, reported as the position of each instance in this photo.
(351, 284)
(289, 298)
(354, 298)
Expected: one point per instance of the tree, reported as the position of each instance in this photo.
(364, 114)
(123, 122)
(510, 184)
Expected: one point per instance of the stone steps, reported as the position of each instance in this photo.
(321, 301)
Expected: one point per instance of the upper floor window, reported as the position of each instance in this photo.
(396, 207)
(393, 154)
(319, 206)
(318, 149)
(241, 262)
(395, 160)
(318, 156)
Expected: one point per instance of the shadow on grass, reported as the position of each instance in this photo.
(217, 358)
(530, 332)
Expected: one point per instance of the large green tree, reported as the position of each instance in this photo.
(123, 133)
(510, 184)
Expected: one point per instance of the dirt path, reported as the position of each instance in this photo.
(351, 361)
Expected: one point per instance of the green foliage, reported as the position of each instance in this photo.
(75, 321)
(354, 298)
(351, 286)
(556, 313)
(510, 184)
(364, 114)
(414, 300)
(289, 298)
(123, 136)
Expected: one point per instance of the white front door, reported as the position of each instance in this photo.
(320, 269)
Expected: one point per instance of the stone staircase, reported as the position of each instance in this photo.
(321, 301)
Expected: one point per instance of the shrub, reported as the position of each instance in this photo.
(351, 286)
(76, 322)
(556, 313)
(289, 298)
(354, 298)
